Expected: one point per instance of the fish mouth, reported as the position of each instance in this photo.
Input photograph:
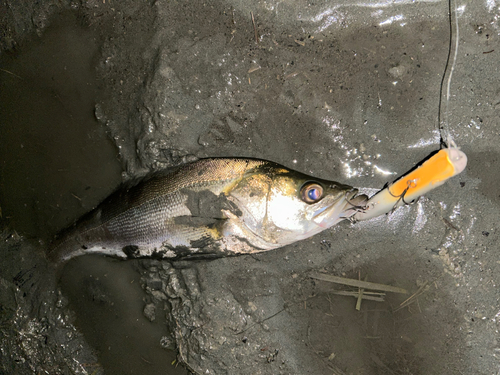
(340, 209)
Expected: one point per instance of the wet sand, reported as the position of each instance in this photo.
(100, 93)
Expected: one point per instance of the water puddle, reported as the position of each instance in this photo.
(56, 161)
(110, 303)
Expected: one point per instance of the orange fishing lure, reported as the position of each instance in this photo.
(432, 173)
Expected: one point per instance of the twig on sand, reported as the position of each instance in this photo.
(15, 75)
(360, 295)
(366, 295)
(357, 283)
(255, 29)
(413, 297)
(76, 197)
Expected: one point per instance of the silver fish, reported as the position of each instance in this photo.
(210, 207)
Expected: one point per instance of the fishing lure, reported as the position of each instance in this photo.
(433, 172)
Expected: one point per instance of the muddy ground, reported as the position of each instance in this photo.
(95, 93)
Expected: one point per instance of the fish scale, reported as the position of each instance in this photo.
(142, 224)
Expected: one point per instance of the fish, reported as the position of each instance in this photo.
(211, 207)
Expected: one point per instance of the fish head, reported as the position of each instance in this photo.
(280, 206)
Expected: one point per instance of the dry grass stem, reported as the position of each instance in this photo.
(356, 294)
(357, 283)
(255, 29)
(413, 297)
(15, 75)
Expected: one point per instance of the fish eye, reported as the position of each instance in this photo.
(311, 192)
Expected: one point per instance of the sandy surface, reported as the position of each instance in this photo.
(94, 93)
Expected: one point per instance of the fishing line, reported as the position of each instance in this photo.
(444, 130)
